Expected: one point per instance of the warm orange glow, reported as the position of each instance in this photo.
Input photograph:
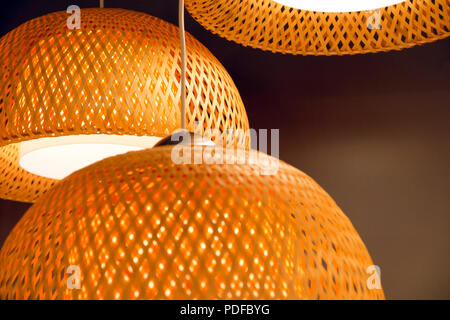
(117, 75)
(140, 227)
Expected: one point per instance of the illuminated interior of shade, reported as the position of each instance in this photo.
(338, 6)
(58, 157)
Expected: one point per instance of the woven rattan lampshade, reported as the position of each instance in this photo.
(140, 226)
(268, 25)
(118, 74)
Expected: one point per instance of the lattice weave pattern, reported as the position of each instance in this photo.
(268, 25)
(118, 74)
(141, 227)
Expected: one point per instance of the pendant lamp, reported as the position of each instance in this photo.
(139, 226)
(325, 27)
(69, 98)
(145, 225)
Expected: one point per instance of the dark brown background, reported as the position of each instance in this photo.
(372, 129)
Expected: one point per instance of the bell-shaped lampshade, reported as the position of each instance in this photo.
(325, 27)
(140, 226)
(69, 98)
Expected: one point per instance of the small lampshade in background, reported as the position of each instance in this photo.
(269, 25)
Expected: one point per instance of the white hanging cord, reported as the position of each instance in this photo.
(102, 3)
(183, 63)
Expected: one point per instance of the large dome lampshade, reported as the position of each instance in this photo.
(307, 27)
(139, 226)
(69, 98)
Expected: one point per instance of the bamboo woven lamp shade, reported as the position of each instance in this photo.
(118, 74)
(268, 25)
(140, 226)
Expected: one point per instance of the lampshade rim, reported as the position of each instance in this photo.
(273, 27)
